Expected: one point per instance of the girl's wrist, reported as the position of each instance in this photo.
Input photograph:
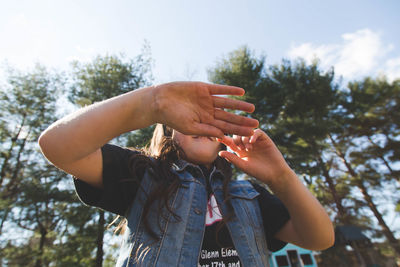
(156, 102)
(283, 182)
(145, 106)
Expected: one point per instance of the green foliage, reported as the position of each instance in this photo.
(292, 102)
(29, 184)
(108, 76)
(141, 138)
(371, 125)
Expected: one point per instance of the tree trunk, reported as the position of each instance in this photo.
(360, 259)
(5, 164)
(12, 187)
(10, 190)
(367, 197)
(99, 241)
(6, 212)
(13, 141)
(338, 200)
(386, 230)
(396, 176)
(43, 233)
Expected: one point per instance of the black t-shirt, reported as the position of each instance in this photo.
(117, 197)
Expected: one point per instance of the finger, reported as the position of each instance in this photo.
(238, 141)
(223, 115)
(245, 142)
(206, 130)
(257, 134)
(228, 141)
(229, 128)
(241, 164)
(223, 102)
(218, 89)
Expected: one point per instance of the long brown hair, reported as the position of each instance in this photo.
(159, 155)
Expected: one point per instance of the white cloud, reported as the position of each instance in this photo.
(310, 52)
(359, 54)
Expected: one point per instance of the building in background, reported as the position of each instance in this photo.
(293, 256)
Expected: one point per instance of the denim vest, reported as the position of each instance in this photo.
(180, 240)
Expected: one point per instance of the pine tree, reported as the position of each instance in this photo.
(368, 142)
(28, 104)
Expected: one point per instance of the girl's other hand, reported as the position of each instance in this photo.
(193, 108)
(257, 156)
(309, 225)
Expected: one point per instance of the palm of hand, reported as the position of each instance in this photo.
(188, 107)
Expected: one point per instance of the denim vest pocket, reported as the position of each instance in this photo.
(244, 198)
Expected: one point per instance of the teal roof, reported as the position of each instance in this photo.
(291, 247)
(301, 252)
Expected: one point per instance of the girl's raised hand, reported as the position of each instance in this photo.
(256, 155)
(193, 108)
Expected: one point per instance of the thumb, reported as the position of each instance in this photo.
(234, 159)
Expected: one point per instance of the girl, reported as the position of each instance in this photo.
(181, 207)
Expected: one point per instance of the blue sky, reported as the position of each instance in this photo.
(186, 37)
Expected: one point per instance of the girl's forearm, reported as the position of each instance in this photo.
(86, 130)
(310, 221)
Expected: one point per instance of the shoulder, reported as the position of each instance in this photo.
(250, 185)
(242, 189)
(262, 189)
(253, 189)
(114, 153)
(123, 161)
(110, 148)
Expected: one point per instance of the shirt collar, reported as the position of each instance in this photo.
(181, 165)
